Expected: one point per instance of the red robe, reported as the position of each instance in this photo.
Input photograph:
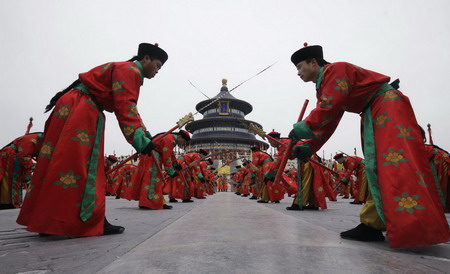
(16, 166)
(68, 184)
(149, 179)
(398, 172)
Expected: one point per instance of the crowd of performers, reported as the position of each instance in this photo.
(401, 182)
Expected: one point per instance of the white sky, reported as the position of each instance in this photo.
(45, 44)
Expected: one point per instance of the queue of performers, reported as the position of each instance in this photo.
(401, 182)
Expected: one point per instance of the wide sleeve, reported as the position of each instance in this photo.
(165, 147)
(126, 82)
(332, 96)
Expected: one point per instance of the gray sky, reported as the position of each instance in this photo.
(45, 44)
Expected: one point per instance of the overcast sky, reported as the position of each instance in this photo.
(45, 44)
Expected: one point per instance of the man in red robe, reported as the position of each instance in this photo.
(16, 167)
(352, 166)
(67, 194)
(398, 172)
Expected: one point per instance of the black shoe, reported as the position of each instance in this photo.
(363, 233)
(44, 235)
(117, 197)
(173, 200)
(344, 197)
(202, 198)
(187, 201)
(277, 202)
(109, 229)
(311, 207)
(244, 195)
(167, 207)
(7, 206)
(146, 208)
(261, 201)
(356, 203)
(237, 193)
(294, 207)
(253, 198)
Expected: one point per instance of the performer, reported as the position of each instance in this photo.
(395, 158)
(353, 165)
(112, 177)
(68, 185)
(149, 178)
(16, 166)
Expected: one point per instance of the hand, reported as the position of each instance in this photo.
(303, 152)
(344, 181)
(148, 149)
(173, 175)
(269, 176)
(177, 166)
(293, 137)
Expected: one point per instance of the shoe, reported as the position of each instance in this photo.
(294, 207)
(7, 206)
(202, 198)
(244, 195)
(276, 202)
(356, 203)
(167, 207)
(363, 233)
(253, 198)
(187, 201)
(173, 200)
(311, 207)
(117, 197)
(109, 229)
(237, 193)
(44, 235)
(344, 197)
(261, 201)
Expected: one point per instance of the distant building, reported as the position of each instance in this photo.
(223, 128)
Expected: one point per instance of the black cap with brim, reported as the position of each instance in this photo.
(307, 52)
(154, 51)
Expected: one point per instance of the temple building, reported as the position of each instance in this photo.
(223, 129)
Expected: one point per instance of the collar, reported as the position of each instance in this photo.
(141, 70)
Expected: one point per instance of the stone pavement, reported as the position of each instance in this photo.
(224, 233)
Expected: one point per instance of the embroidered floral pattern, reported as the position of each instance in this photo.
(63, 111)
(342, 85)
(404, 132)
(408, 203)
(117, 86)
(358, 68)
(421, 179)
(135, 69)
(325, 101)
(394, 157)
(68, 179)
(391, 95)
(381, 119)
(92, 103)
(46, 150)
(106, 67)
(83, 137)
(133, 110)
(128, 130)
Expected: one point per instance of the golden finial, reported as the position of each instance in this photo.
(224, 82)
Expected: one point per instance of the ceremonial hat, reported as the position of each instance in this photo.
(338, 156)
(186, 136)
(307, 52)
(202, 151)
(212, 168)
(112, 158)
(210, 161)
(153, 51)
(238, 166)
(274, 134)
(255, 148)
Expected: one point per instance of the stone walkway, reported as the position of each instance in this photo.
(224, 233)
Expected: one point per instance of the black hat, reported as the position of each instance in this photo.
(202, 151)
(338, 156)
(307, 52)
(184, 134)
(153, 51)
(255, 148)
(274, 134)
(237, 166)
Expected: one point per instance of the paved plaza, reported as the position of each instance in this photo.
(223, 233)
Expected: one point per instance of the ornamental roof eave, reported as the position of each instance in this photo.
(246, 107)
(196, 124)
